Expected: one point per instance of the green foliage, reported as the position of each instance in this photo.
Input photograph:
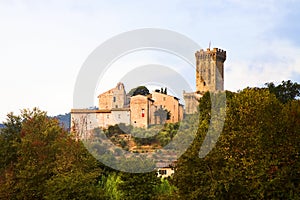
(165, 190)
(75, 174)
(286, 91)
(256, 157)
(142, 90)
(44, 162)
(144, 136)
(159, 135)
(138, 186)
(117, 129)
(9, 137)
(111, 185)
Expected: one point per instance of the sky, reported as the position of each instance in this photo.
(44, 43)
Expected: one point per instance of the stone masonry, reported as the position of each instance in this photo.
(209, 76)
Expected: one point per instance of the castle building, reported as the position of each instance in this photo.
(209, 76)
(210, 70)
(156, 108)
(116, 107)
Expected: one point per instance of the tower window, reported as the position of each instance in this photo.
(114, 99)
(143, 112)
(204, 84)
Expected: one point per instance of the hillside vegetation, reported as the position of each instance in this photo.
(255, 157)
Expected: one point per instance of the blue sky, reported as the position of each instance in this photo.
(44, 43)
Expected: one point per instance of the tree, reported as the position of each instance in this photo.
(165, 190)
(9, 138)
(142, 90)
(139, 185)
(286, 91)
(256, 156)
(111, 184)
(46, 163)
(10, 135)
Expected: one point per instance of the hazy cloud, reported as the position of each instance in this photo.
(44, 43)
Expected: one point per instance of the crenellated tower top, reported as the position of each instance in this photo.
(214, 54)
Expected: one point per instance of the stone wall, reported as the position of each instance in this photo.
(121, 115)
(114, 98)
(84, 121)
(210, 70)
(139, 108)
(170, 103)
(191, 101)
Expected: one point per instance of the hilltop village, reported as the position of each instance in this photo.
(158, 107)
(116, 107)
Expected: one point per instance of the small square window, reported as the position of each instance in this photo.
(162, 172)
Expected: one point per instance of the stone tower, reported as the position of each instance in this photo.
(210, 70)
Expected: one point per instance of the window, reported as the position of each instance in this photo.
(143, 112)
(119, 116)
(164, 98)
(116, 106)
(162, 172)
(107, 116)
(114, 99)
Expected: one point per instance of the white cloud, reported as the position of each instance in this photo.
(44, 43)
(272, 62)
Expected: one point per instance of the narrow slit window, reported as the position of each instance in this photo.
(143, 112)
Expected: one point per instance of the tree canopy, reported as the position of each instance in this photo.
(256, 156)
(42, 161)
(286, 91)
(142, 90)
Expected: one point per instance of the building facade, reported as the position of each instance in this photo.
(115, 107)
(113, 98)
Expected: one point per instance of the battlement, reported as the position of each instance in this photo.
(215, 54)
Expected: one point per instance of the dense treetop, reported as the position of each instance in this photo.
(142, 90)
